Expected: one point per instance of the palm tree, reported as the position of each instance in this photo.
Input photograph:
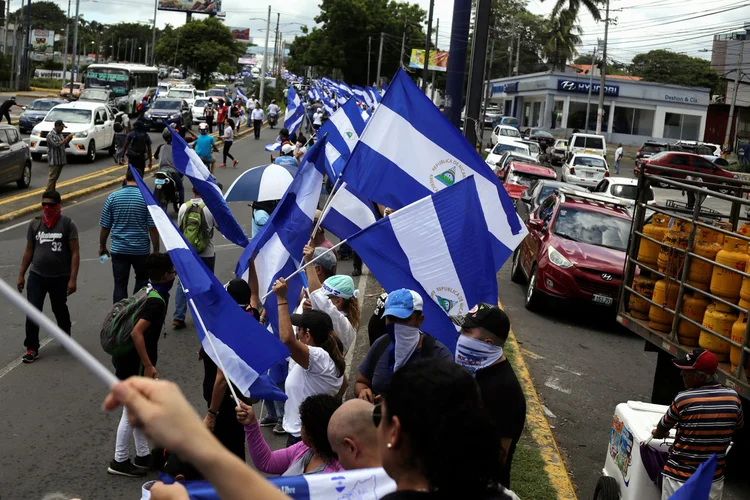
(574, 6)
(564, 35)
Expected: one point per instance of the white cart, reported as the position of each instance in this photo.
(624, 476)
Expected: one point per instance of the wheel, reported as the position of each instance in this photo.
(36, 156)
(532, 294)
(91, 152)
(25, 179)
(165, 204)
(663, 185)
(607, 489)
(724, 190)
(516, 273)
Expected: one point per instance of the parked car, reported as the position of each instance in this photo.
(588, 143)
(717, 160)
(575, 250)
(534, 149)
(650, 148)
(171, 110)
(15, 162)
(556, 155)
(536, 194)
(185, 93)
(509, 156)
(622, 188)
(691, 164)
(162, 90)
(504, 132)
(542, 136)
(496, 152)
(700, 148)
(518, 177)
(585, 169)
(510, 121)
(77, 89)
(491, 114)
(91, 124)
(198, 108)
(217, 92)
(35, 112)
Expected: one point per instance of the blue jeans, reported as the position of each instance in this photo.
(180, 301)
(275, 409)
(617, 166)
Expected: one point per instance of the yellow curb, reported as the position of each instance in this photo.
(537, 425)
(40, 89)
(36, 96)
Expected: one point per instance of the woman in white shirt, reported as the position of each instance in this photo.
(318, 119)
(228, 138)
(317, 365)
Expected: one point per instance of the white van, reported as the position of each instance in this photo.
(587, 143)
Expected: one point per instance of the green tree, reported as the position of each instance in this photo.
(45, 15)
(664, 66)
(574, 6)
(564, 35)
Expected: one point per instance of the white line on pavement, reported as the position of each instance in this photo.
(554, 383)
(14, 226)
(11, 366)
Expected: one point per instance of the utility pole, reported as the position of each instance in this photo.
(380, 58)
(276, 44)
(176, 49)
(591, 84)
(26, 66)
(488, 90)
(281, 53)
(153, 34)
(369, 52)
(432, 85)
(730, 118)
(478, 55)
(98, 46)
(13, 56)
(67, 29)
(264, 65)
(145, 54)
(74, 68)
(118, 50)
(517, 67)
(454, 85)
(5, 26)
(603, 71)
(125, 55)
(403, 44)
(427, 41)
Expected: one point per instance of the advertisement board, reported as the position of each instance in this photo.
(41, 39)
(438, 60)
(247, 61)
(240, 34)
(193, 6)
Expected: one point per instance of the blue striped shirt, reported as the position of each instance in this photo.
(126, 215)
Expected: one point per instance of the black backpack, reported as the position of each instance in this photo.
(138, 145)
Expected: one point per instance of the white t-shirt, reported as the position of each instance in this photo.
(319, 378)
(618, 154)
(250, 103)
(210, 224)
(273, 108)
(318, 118)
(228, 134)
(341, 324)
(257, 114)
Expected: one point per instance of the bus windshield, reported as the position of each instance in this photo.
(117, 79)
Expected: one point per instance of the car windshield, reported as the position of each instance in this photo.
(200, 103)
(541, 133)
(594, 228)
(532, 147)
(549, 189)
(43, 105)
(513, 122)
(95, 95)
(162, 104)
(653, 148)
(182, 94)
(524, 159)
(69, 115)
(510, 132)
(501, 148)
(588, 161)
(629, 192)
(216, 93)
(522, 179)
(561, 144)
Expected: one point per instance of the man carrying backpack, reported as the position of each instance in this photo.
(197, 224)
(138, 147)
(122, 129)
(136, 353)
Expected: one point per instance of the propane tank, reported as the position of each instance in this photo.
(727, 284)
(670, 261)
(726, 226)
(645, 286)
(744, 229)
(738, 335)
(648, 251)
(694, 307)
(665, 293)
(705, 245)
(720, 320)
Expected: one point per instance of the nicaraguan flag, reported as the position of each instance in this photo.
(409, 150)
(439, 247)
(295, 111)
(246, 349)
(348, 212)
(359, 93)
(328, 105)
(277, 248)
(241, 95)
(274, 146)
(698, 487)
(187, 162)
(375, 94)
(369, 99)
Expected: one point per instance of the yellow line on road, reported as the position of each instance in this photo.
(536, 423)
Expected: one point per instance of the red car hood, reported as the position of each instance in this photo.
(514, 190)
(606, 260)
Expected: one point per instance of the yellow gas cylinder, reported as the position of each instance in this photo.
(738, 335)
(648, 251)
(720, 319)
(744, 229)
(694, 307)
(665, 293)
(645, 286)
(726, 226)
(670, 261)
(704, 245)
(727, 284)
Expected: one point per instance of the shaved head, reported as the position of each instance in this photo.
(353, 436)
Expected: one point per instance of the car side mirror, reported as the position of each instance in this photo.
(4, 146)
(536, 224)
(24, 108)
(99, 122)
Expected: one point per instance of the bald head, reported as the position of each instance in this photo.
(353, 436)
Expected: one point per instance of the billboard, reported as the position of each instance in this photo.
(247, 61)
(41, 39)
(193, 6)
(240, 34)
(438, 60)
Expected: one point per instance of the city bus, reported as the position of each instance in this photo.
(130, 83)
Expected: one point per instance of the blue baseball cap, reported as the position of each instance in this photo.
(402, 303)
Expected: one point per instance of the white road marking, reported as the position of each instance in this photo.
(548, 412)
(530, 354)
(568, 370)
(15, 226)
(554, 383)
(17, 362)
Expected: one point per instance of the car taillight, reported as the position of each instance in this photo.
(606, 173)
(639, 150)
(572, 171)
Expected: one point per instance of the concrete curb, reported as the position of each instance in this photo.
(537, 425)
(37, 96)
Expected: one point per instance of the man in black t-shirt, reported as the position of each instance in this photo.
(480, 350)
(5, 108)
(141, 361)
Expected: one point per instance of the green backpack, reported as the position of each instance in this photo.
(194, 227)
(118, 326)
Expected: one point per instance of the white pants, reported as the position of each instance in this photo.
(669, 486)
(124, 433)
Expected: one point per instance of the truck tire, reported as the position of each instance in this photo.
(516, 273)
(91, 152)
(607, 489)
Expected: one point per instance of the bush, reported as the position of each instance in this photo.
(47, 83)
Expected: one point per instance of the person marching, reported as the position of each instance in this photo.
(257, 118)
(228, 138)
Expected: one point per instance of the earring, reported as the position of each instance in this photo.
(389, 445)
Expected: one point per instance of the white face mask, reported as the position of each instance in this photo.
(405, 339)
(474, 354)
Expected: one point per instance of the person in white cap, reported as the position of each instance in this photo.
(287, 158)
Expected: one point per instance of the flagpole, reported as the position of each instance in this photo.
(197, 314)
(82, 355)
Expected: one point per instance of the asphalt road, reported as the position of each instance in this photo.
(56, 437)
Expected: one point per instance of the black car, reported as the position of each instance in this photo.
(171, 110)
(533, 197)
(651, 148)
(15, 160)
(540, 135)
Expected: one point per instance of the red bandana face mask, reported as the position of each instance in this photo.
(50, 214)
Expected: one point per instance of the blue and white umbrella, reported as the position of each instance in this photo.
(263, 183)
(274, 146)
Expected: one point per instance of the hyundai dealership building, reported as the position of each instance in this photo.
(634, 110)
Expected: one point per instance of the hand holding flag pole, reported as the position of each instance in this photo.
(304, 265)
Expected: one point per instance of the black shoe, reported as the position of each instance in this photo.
(125, 468)
(143, 462)
(30, 356)
(357, 272)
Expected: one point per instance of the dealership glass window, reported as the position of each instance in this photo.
(678, 126)
(577, 116)
(557, 113)
(633, 121)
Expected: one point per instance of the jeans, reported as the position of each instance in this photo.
(180, 301)
(256, 128)
(37, 288)
(617, 166)
(275, 409)
(120, 143)
(121, 264)
(139, 163)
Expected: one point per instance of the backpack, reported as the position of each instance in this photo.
(428, 347)
(195, 228)
(117, 328)
(138, 145)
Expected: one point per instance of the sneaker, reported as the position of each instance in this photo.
(178, 324)
(143, 462)
(269, 421)
(357, 272)
(125, 468)
(279, 429)
(223, 165)
(235, 163)
(30, 356)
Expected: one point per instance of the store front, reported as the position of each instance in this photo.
(634, 111)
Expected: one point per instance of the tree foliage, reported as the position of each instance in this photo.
(664, 66)
(45, 15)
(563, 36)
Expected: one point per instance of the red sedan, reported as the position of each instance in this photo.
(518, 177)
(575, 250)
(692, 164)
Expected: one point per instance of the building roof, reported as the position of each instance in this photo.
(585, 68)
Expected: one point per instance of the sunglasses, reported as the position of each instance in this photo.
(48, 204)
(377, 414)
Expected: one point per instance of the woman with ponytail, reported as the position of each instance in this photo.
(317, 365)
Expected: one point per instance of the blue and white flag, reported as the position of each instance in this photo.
(409, 150)
(187, 162)
(246, 349)
(359, 93)
(328, 105)
(241, 95)
(439, 247)
(277, 248)
(295, 111)
(274, 146)
(698, 487)
(375, 94)
(347, 213)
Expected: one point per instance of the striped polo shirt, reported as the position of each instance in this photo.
(705, 418)
(126, 215)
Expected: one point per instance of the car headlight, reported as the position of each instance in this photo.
(81, 134)
(147, 114)
(174, 115)
(557, 258)
(35, 131)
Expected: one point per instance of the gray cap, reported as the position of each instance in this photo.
(328, 261)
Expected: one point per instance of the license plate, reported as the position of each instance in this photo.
(589, 150)
(589, 174)
(159, 182)
(602, 299)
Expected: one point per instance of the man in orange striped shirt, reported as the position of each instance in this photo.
(705, 417)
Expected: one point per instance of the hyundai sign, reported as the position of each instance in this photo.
(583, 87)
(508, 88)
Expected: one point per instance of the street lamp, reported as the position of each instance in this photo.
(139, 53)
